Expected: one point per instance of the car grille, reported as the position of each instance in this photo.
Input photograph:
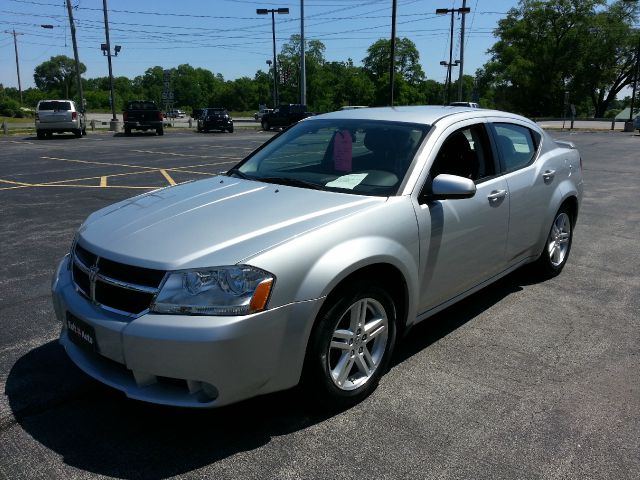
(121, 288)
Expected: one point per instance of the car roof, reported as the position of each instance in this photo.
(426, 114)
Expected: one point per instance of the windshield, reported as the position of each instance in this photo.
(363, 157)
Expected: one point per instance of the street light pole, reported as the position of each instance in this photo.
(444, 11)
(303, 66)
(273, 11)
(446, 95)
(460, 73)
(392, 60)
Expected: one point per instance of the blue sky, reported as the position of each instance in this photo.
(227, 37)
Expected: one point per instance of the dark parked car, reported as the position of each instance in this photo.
(215, 119)
(285, 115)
(142, 115)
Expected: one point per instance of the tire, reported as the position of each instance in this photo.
(84, 132)
(265, 125)
(350, 346)
(77, 133)
(199, 130)
(557, 245)
(230, 129)
(41, 135)
(127, 130)
(49, 135)
(160, 131)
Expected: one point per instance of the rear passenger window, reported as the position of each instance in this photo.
(517, 145)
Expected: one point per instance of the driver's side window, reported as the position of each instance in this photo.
(466, 153)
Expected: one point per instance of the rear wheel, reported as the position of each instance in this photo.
(127, 130)
(160, 131)
(84, 132)
(350, 346)
(265, 125)
(77, 133)
(558, 245)
(40, 134)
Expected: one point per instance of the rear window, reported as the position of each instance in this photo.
(54, 105)
(141, 106)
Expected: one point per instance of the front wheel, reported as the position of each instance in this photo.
(558, 245)
(350, 346)
(265, 125)
(160, 131)
(230, 129)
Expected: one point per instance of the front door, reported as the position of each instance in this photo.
(463, 241)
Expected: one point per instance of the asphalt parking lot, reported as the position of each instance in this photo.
(523, 380)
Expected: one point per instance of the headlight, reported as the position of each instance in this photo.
(232, 290)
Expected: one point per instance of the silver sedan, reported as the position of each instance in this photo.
(309, 260)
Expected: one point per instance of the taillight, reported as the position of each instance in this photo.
(74, 115)
(124, 116)
(160, 116)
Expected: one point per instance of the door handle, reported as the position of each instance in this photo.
(548, 175)
(497, 195)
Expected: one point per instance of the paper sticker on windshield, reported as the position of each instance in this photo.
(348, 182)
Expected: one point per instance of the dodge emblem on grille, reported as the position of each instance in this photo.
(93, 274)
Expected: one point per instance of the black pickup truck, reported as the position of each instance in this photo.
(142, 115)
(285, 115)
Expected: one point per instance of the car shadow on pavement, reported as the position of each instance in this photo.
(97, 429)
(450, 319)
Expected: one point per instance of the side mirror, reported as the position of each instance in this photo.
(446, 186)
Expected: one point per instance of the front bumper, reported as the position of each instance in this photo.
(193, 361)
(215, 124)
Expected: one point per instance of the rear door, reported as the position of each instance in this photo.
(55, 111)
(532, 184)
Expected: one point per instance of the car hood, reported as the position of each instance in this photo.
(218, 221)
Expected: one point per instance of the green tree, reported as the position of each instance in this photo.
(409, 74)
(57, 75)
(546, 48)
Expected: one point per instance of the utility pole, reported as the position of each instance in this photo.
(303, 67)
(75, 55)
(392, 60)
(460, 73)
(444, 11)
(15, 45)
(114, 121)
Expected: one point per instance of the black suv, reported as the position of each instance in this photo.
(215, 119)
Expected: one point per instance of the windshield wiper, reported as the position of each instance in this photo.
(236, 172)
(292, 182)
